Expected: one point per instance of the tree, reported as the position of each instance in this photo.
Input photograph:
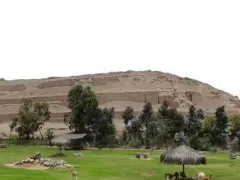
(128, 115)
(105, 128)
(49, 136)
(180, 139)
(154, 133)
(30, 118)
(111, 141)
(135, 131)
(204, 139)
(124, 138)
(42, 114)
(234, 121)
(172, 121)
(220, 130)
(146, 118)
(209, 122)
(195, 118)
(83, 104)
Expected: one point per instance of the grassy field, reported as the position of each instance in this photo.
(115, 165)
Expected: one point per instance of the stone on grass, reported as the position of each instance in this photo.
(58, 164)
(145, 155)
(138, 155)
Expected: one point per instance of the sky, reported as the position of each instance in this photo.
(196, 39)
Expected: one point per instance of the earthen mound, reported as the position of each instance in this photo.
(119, 90)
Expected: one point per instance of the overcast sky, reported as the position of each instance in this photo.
(197, 39)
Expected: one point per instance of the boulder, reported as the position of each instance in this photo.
(145, 155)
(31, 160)
(69, 166)
(138, 155)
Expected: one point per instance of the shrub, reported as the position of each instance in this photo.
(235, 145)
(137, 143)
(201, 143)
(3, 146)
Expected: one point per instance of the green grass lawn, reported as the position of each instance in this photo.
(115, 165)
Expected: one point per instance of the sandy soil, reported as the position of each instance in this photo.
(28, 166)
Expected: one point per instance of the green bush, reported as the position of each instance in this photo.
(3, 146)
(201, 143)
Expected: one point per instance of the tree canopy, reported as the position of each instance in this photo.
(195, 120)
(221, 127)
(83, 104)
(30, 118)
(128, 115)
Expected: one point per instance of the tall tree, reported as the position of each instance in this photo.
(135, 131)
(83, 104)
(154, 133)
(41, 109)
(209, 122)
(172, 121)
(146, 119)
(128, 115)
(220, 130)
(30, 118)
(195, 119)
(106, 130)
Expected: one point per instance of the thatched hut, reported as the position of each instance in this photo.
(60, 142)
(76, 140)
(182, 155)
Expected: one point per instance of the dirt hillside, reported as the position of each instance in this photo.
(118, 89)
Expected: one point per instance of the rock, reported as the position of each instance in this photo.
(46, 163)
(77, 154)
(69, 166)
(145, 155)
(138, 155)
(36, 161)
(62, 162)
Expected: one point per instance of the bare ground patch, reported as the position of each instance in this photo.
(28, 166)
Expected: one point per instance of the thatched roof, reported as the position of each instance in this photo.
(60, 140)
(72, 136)
(183, 155)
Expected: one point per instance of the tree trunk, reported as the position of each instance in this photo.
(28, 136)
(60, 149)
(40, 133)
